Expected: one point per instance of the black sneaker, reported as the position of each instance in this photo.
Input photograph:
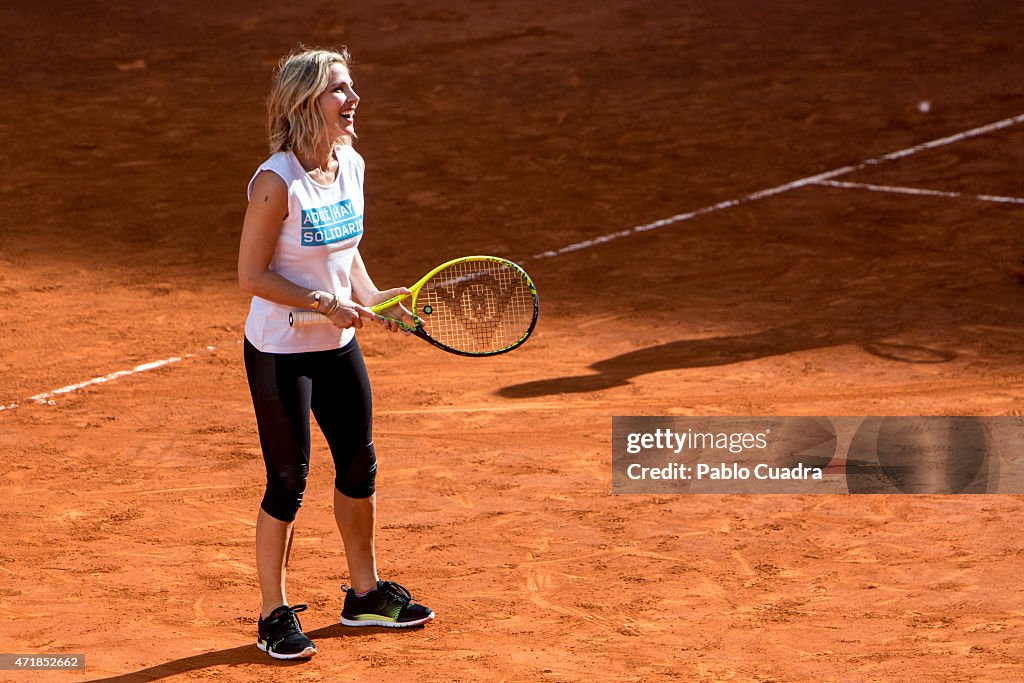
(389, 604)
(281, 634)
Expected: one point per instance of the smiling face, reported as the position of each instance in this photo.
(338, 103)
(312, 104)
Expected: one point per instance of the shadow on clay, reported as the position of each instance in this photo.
(699, 353)
(244, 654)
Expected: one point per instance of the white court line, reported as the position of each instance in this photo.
(818, 179)
(785, 187)
(921, 191)
(46, 398)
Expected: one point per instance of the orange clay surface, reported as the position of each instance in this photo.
(127, 507)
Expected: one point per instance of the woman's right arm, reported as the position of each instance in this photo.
(268, 207)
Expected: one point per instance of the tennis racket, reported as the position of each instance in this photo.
(471, 306)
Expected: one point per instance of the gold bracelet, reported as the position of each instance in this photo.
(335, 305)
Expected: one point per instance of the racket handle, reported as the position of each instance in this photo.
(306, 318)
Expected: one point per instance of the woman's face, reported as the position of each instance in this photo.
(338, 103)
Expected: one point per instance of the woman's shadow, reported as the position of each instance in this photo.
(699, 353)
(244, 654)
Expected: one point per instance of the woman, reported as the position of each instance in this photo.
(299, 250)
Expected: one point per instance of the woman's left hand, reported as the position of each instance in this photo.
(393, 313)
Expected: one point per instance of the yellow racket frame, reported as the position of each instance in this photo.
(303, 318)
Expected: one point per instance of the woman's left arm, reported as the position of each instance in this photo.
(368, 295)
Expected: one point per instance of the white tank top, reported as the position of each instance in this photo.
(315, 249)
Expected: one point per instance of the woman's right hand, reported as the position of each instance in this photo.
(348, 314)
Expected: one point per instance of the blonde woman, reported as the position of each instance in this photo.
(299, 250)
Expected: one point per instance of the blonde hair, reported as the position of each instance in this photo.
(294, 119)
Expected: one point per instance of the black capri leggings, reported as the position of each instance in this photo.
(335, 385)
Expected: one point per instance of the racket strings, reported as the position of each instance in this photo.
(477, 306)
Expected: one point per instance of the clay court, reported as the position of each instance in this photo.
(544, 133)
